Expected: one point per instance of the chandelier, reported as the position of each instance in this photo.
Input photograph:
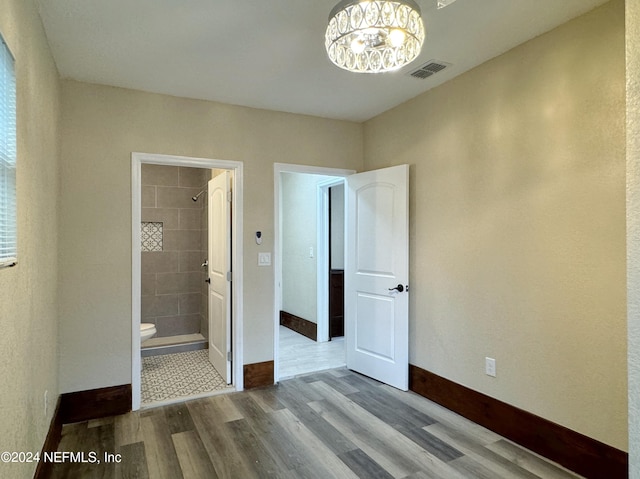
(374, 36)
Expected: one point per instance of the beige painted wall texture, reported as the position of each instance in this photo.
(299, 218)
(28, 292)
(632, 34)
(101, 127)
(517, 214)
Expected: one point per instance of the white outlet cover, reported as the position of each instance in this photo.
(490, 367)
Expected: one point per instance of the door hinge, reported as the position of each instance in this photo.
(229, 356)
(229, 196)
(229, 276)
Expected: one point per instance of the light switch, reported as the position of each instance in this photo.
(264, 259)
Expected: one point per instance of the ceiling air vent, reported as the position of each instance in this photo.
(430, 68)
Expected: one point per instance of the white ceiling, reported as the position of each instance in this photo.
(270, 53)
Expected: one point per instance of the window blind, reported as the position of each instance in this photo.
(8, 217)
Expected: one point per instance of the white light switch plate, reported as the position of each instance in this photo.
(264, 259)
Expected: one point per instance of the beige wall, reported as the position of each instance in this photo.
(28, 292)
(632, 35)
(518, 224)
(299, 218)
(101, 127)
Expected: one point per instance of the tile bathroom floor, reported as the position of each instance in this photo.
(301, 355)
(179, 375)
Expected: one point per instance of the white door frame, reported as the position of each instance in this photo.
(137, 159)
(279, 168)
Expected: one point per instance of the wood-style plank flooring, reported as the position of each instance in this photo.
(333, 424)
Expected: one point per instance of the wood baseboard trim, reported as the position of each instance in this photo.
(579, 453)
(299, 325)
(51, 442)
(81, 406)
(95, 403)
(258, 375)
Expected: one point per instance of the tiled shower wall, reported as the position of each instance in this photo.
(173, 289)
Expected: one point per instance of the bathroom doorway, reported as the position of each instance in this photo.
(171, 276)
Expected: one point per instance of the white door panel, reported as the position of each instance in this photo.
(374, 211)
(377, 260)
(373, 317)
(219, 267)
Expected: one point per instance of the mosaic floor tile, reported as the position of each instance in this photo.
(177, 375)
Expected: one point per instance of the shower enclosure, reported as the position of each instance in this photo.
(174, 253)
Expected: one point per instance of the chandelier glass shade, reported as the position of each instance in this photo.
(374, 36)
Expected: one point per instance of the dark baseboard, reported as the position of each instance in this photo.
(299, 325)
(95, 403)
(82, 406)
(44, 468)
(573, 450)
(258, 375)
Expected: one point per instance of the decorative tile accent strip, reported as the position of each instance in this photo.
(151, 235)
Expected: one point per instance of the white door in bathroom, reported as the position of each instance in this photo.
(219, 274)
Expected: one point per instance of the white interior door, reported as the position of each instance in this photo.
(219, 275)
(377, 261)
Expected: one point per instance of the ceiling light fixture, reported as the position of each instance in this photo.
(374, 36)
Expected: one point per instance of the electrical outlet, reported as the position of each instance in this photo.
(490, 367)
(46, 402)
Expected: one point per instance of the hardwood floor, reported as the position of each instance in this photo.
(334, 424)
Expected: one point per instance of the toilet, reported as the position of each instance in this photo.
(147, 331)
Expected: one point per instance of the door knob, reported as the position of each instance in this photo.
(398, 288)
(208, 280)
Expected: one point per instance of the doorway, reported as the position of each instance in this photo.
(376, 302)
(303, 268)
(179, 285)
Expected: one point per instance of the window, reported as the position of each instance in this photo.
(8, 217)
